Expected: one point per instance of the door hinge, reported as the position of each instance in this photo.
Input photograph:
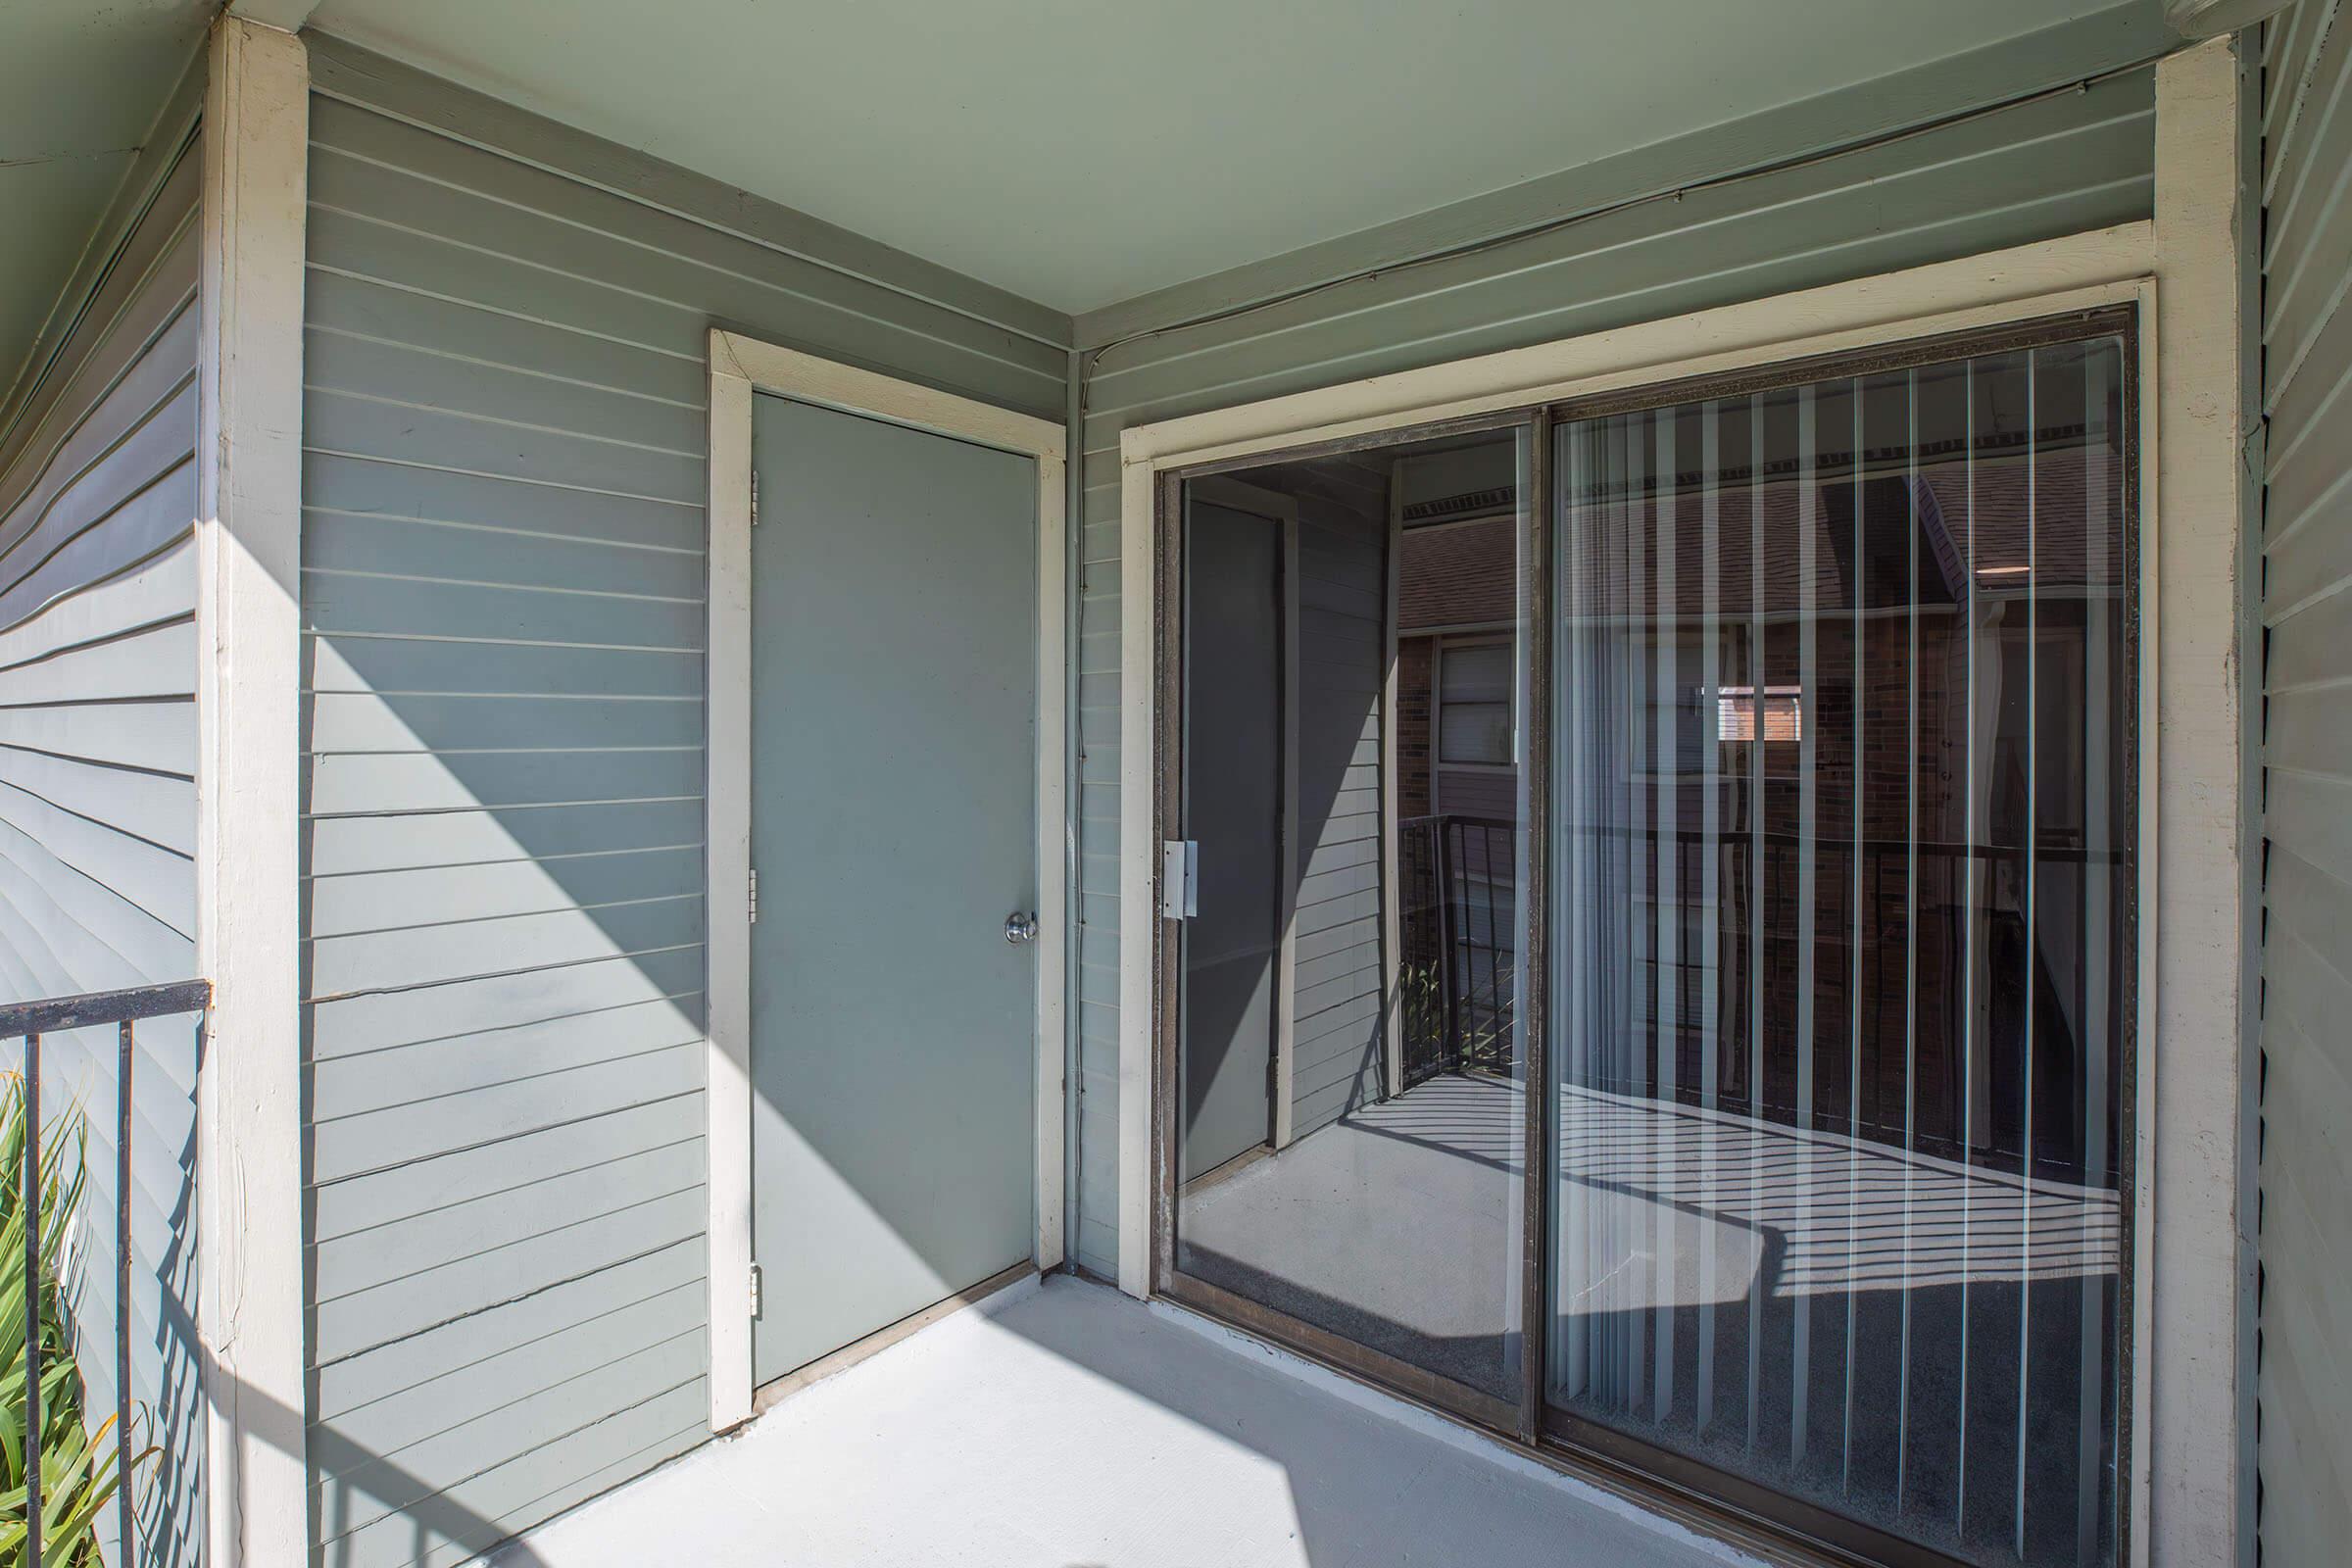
(752, 898)
(758, 1296)
(754, 497)
(1179, 879)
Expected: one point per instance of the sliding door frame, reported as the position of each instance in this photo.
(1947, 305)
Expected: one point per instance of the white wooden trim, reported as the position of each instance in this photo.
(727, 838)
(1053, 840)
(1138, 864)
(250, 1290)
(738, 367)
(1942, 297)
(811, 379)
(2187, 1484)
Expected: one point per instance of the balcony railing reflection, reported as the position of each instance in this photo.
(1458, 888)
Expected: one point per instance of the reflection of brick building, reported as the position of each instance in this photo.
(1976, 699)
(1456, 576)
(1455, 561)
(1414, 663)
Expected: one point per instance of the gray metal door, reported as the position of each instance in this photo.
(1233, 809)
(894, 697)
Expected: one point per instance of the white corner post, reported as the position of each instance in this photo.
(248, 532)
(727, 848)
(2190, 1490)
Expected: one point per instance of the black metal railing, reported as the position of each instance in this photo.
(30, 1021)
(1892, 928)
(1890, 916)
(1457, 907)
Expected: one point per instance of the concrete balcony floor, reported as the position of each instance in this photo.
(1062, 1425)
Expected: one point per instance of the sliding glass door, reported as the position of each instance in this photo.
(1842, 910)
(1651, 957)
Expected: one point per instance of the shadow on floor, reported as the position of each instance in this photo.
(1066, 1426)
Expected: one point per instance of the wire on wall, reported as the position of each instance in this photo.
(1091, 359)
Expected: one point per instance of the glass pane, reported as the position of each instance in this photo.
(1477, 672)
(1351, 1105)
(1477, 733)
(1841, 925)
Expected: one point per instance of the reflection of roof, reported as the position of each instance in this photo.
(2024, 506)
(1459, 574)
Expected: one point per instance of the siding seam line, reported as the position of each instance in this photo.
(533, 1292)
(503, 478)
(352, 100)
(448, 412)
(491, 1143)
(676, 259)
(82, 420)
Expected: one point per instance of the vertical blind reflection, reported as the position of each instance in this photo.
(1840, 924)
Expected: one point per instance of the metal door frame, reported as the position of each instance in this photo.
(741, 366)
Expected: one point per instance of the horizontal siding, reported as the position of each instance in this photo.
(98, 797)
(503, 608)
(1343, 548)
(2304, 1372)
(2060, 164)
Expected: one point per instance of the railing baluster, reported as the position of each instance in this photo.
(30, 1020)
(29, 1210)
(125, 1528)
(1442, 877)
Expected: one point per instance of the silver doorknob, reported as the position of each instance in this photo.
(1020, 927)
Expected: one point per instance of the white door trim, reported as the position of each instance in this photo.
(738, 367)
(2183, 1367)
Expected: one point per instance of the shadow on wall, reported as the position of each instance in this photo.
(503, 1021)
(1340, 1013)
(505, 864)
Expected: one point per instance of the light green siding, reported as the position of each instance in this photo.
(2304, 1371)
(503, 608)
(98, 787)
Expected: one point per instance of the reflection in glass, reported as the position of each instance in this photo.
(1840, 920)
(1351, 1124)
